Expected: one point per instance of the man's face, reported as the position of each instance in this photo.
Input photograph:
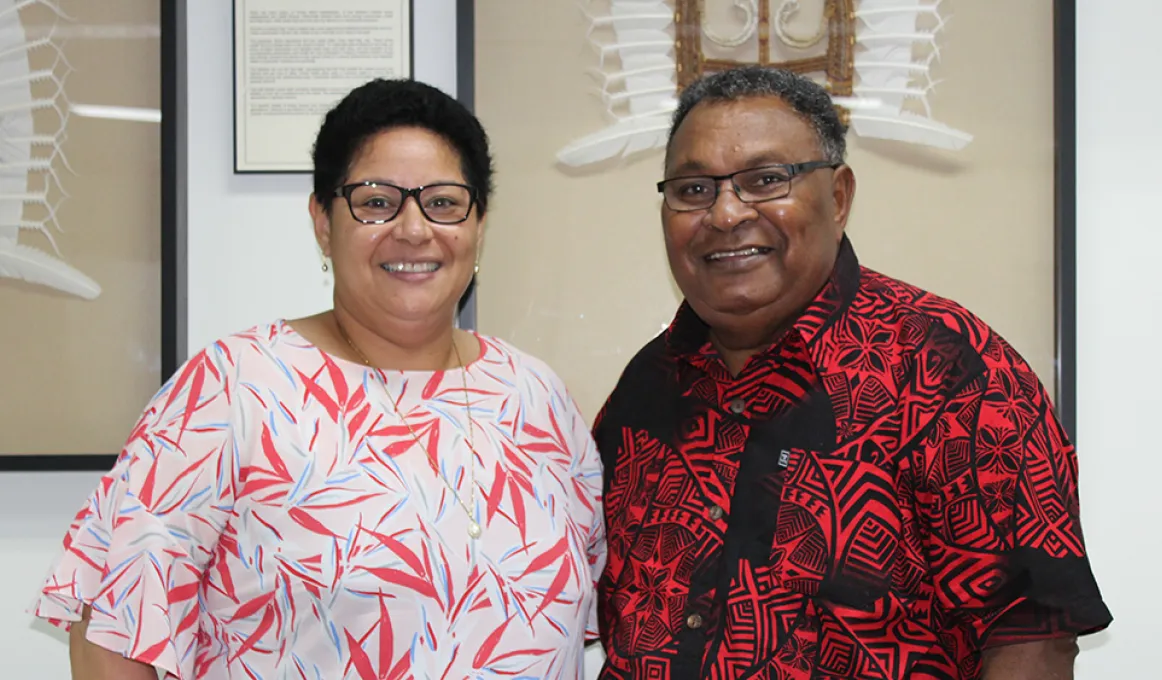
(735, 259)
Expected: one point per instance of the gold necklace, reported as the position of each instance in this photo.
(474, 529)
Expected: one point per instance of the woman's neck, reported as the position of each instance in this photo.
(427, 347)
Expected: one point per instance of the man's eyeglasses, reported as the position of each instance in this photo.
(753, 185)
(378, 202)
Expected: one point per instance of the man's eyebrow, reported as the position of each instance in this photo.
(688, 168)
(766, 158)
(697, 168)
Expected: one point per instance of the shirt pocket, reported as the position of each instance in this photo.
(835, 530)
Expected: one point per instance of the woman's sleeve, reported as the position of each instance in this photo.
(589, 481)
(137, 550)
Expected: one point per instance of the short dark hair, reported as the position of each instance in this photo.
(382, 104)
(808, 98)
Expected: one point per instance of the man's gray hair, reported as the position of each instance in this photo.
(808, 98)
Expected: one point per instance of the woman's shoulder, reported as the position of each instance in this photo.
(216, 370)
(271, 343)
(268, 334)
(547, 404)
(523, 365)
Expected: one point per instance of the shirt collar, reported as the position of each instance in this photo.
(688, 335)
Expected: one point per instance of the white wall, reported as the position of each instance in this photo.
(1119, 288)
(35, 510)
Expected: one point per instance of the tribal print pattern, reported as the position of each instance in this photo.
(882, 494)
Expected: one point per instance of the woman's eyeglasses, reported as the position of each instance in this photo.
(378, 202)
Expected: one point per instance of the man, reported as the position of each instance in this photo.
(818, 471)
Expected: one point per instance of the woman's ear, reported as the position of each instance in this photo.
(322, 224)
(479, 242)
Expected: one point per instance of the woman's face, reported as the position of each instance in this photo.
(409, 269)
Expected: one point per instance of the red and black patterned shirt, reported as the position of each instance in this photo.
(882, 494)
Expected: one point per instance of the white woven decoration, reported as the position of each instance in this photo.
(641, 95)
(29, 161)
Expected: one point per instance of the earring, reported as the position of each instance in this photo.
(476, 268)
(326, 267)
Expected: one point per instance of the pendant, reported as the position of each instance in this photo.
(474, 530)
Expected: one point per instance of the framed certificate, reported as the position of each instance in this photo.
(294, 59)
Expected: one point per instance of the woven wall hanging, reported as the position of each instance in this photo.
(874, 56)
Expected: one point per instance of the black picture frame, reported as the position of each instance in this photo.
(411, 28)
(466, 94)
(172, 47)
(1065, 211)
(173, 211)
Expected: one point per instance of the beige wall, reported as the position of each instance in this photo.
(74, 374)
(574, 269)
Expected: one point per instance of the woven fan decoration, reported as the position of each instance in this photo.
(32, 160)
(874, 57)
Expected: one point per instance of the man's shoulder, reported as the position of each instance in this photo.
(647, 369)
(914, 313)
(643, 391)
(931, 333)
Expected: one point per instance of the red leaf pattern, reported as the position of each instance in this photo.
(270, 512)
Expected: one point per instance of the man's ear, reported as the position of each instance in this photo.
(322, 224)
(843, 195)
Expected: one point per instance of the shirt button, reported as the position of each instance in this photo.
(694, 621)
(737, 406)
(716, 512)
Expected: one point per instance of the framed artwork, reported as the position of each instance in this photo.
(92, 335)
(293, 59)
(875, 57)
(87, 216)
(959, 136)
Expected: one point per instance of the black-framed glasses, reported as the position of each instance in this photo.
(380, 202)
(753, 185)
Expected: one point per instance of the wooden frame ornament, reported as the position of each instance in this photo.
(838, 64)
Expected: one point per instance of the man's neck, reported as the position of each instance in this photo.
(737, 338)
(737, 346)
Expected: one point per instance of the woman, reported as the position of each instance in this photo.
(365, 493)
